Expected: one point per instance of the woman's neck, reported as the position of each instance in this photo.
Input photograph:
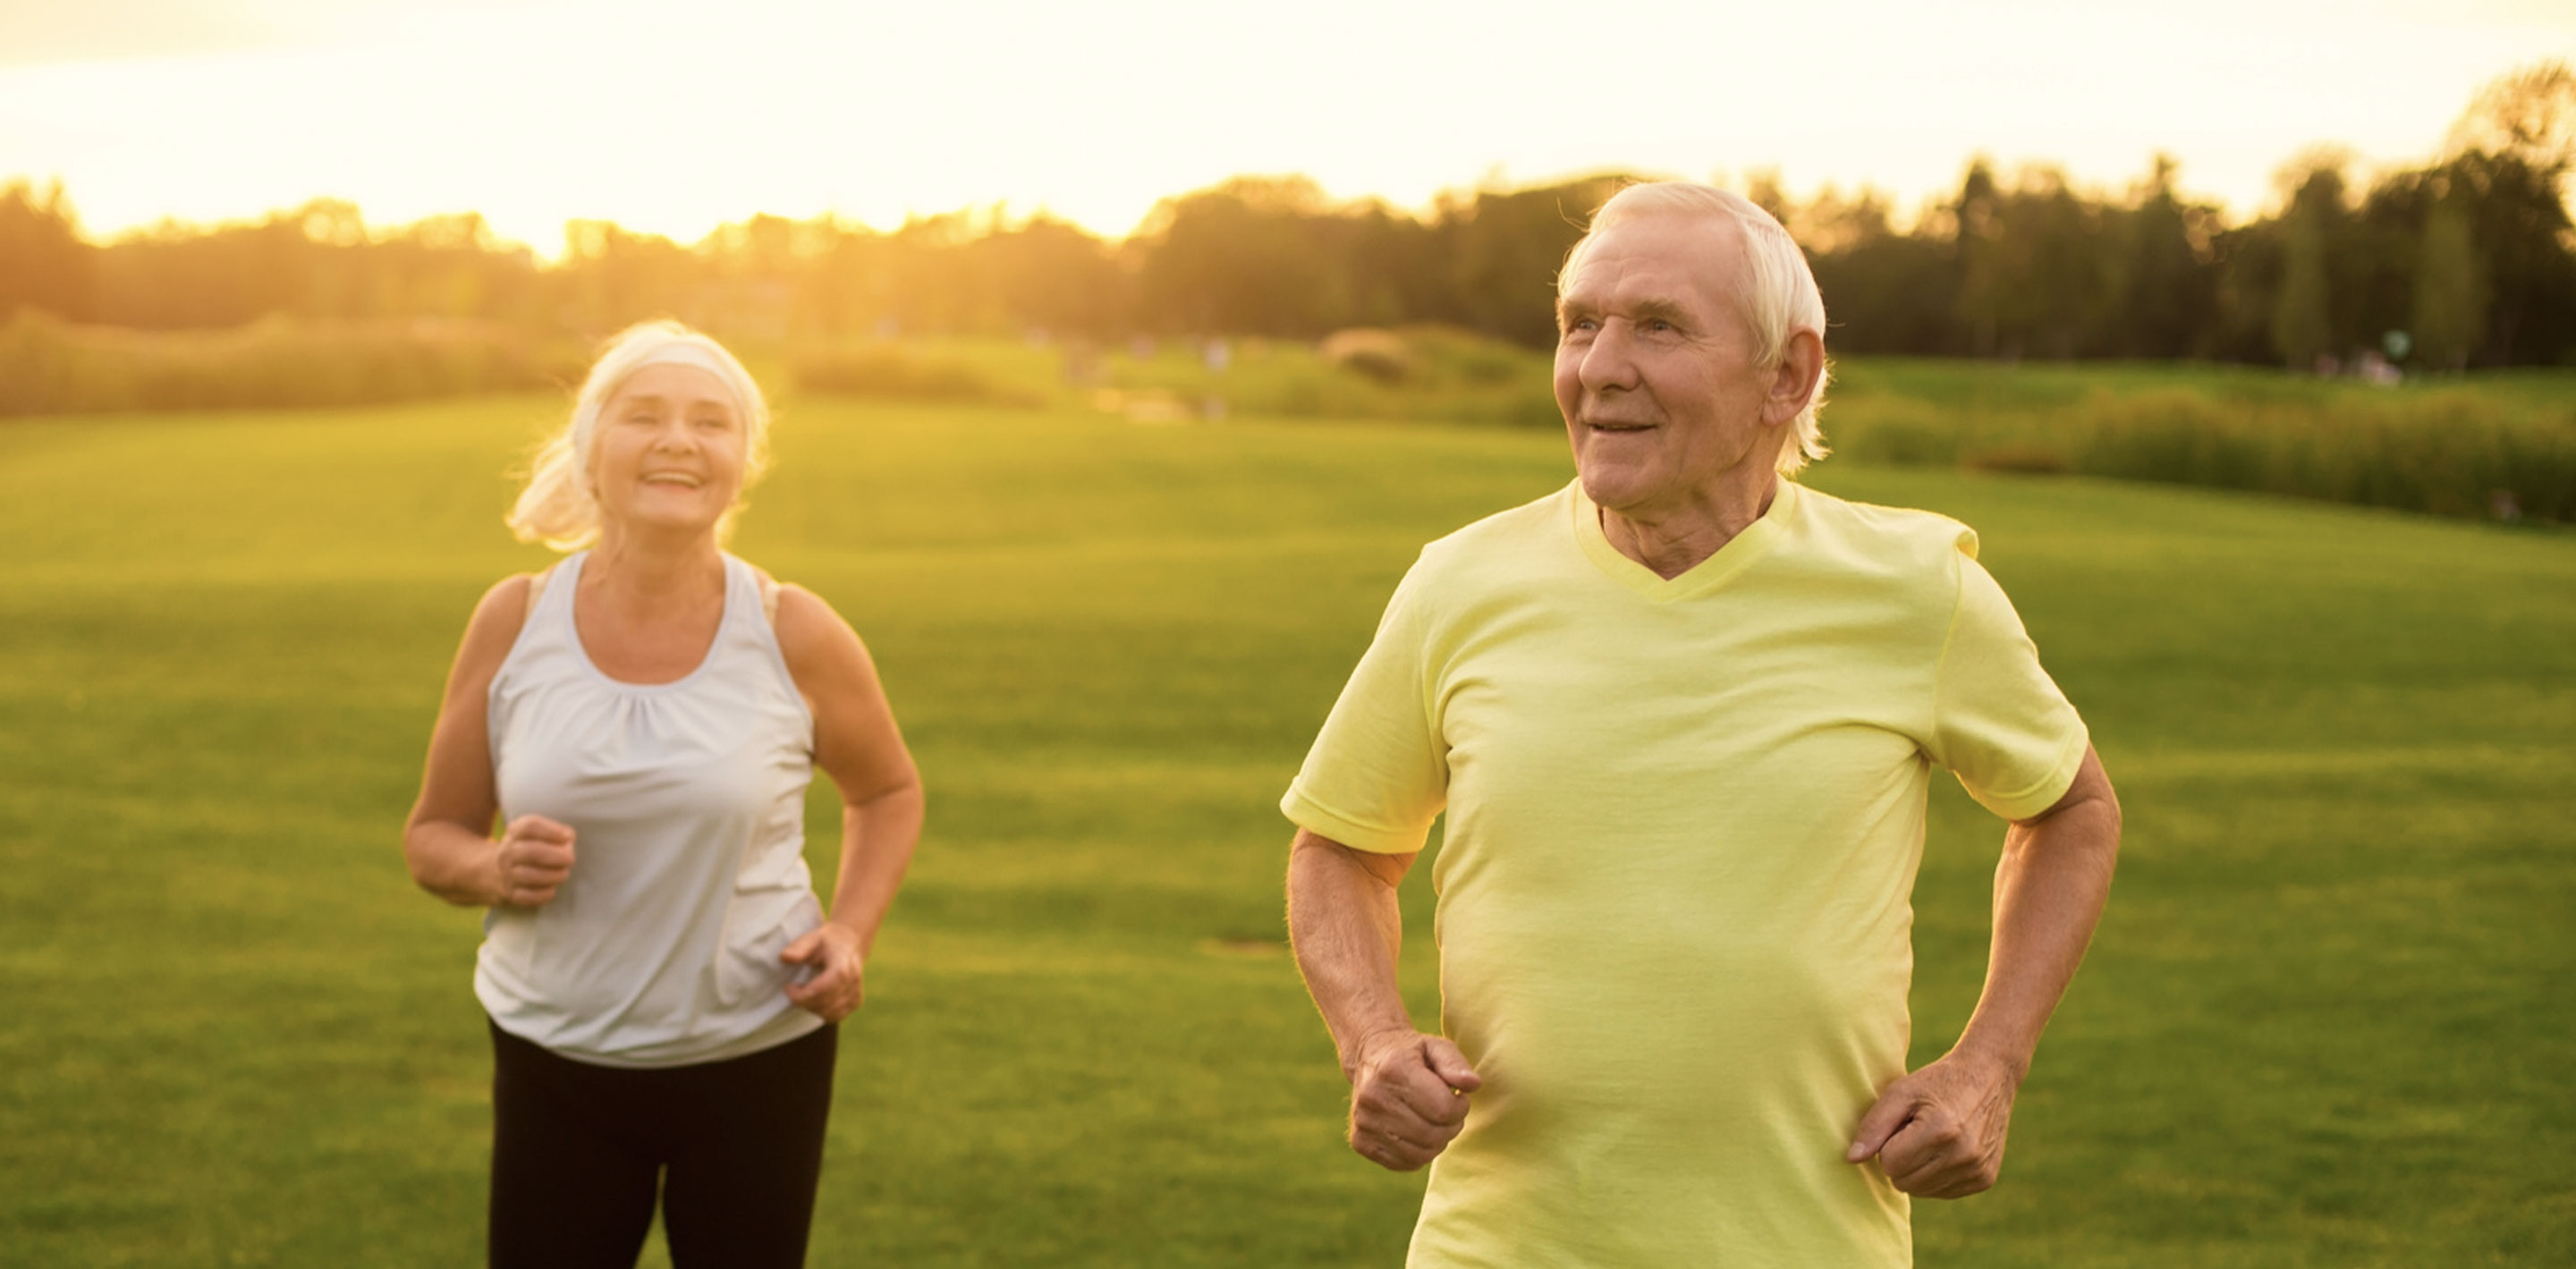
(651, 569)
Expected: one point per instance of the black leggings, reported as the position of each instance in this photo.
(579, 1150)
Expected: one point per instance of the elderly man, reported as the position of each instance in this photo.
(1682, 715)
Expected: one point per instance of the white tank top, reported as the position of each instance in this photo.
(687, 803)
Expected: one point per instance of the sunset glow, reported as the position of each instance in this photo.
(671, 119)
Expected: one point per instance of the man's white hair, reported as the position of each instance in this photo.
(1780, 299)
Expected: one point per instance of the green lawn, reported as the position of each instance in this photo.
(2328, 1020)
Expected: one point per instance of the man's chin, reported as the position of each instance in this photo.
(1612, 485)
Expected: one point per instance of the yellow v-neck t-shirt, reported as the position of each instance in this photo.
(1684, 820)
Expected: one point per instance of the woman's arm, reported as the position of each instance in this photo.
(448, 840)
(857, 744)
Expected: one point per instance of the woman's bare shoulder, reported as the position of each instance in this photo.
(820, 648)
(498, 618)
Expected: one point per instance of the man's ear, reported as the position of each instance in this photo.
(1794, 380)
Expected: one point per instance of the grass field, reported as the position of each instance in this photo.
(2328, 1021)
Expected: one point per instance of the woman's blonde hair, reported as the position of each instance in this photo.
(1779, 297)
(558, 507)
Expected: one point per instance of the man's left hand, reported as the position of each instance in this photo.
(831, 992)
(1939, 1132)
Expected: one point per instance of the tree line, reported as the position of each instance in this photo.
(2467, 259)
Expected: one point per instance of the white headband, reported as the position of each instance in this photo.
(684, 353)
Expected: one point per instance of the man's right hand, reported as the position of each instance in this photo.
(1408, 1098)
(535, 856)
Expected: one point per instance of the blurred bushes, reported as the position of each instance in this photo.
(2447, 450)
(894, 372)
(1408, 373)
(1378, 355)
(2506, 447)
(2497, 446)
(48, 366)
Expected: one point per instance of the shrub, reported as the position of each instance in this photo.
(1412, 373)
(1380, 356)
(2454, 451)
(51, 367)
(2019, 460)
(1895, 433)
(2171, 435)
(2446, 452)
(895, 373)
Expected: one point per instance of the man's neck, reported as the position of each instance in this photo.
(1672, 540)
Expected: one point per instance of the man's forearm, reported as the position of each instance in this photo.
(2049, 892)
(1346, 929)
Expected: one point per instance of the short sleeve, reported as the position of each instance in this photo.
(1999, 722)
(1378, 774)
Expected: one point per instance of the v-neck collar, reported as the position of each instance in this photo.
(1739, 552)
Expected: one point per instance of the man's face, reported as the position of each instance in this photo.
(1655, 367)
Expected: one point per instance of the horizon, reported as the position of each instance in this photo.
(527, 112)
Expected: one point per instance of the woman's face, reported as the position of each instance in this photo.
(670, 451)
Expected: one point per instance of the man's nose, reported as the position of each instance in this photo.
(1607, 361)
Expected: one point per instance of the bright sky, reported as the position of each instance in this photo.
(675, 117)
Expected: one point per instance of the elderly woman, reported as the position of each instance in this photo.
(642, 720)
